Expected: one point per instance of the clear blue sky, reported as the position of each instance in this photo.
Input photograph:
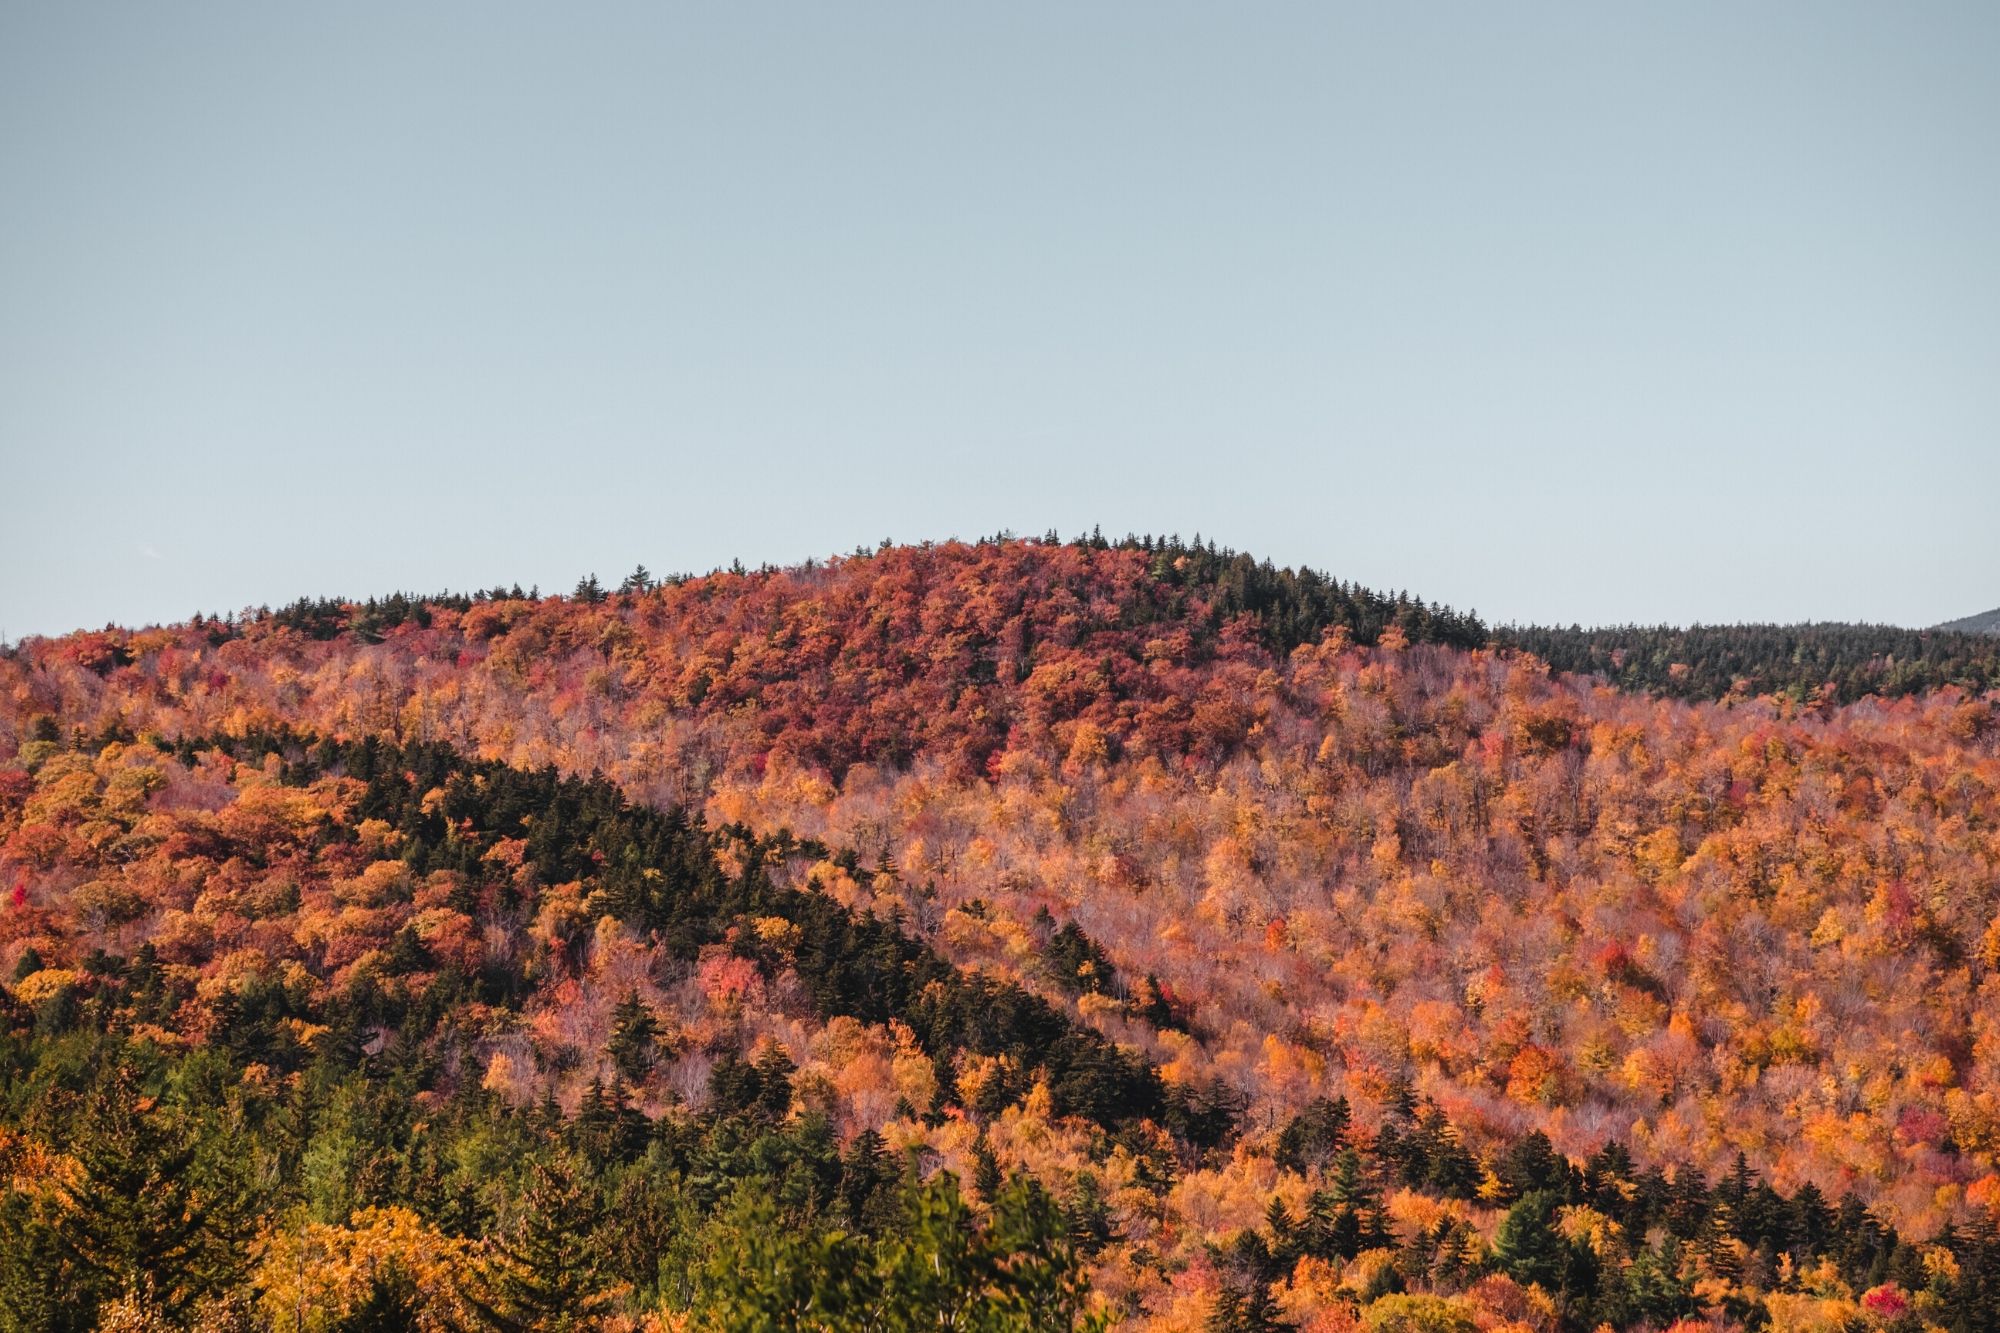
(1595, 313)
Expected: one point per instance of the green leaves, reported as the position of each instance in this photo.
(938, 1267)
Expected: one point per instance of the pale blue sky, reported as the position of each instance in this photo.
(1563, 312)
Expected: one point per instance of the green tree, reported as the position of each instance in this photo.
(146, 1205)
(633, 1030)
(549, 1276)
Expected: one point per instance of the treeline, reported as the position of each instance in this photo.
(1827, 662)
(324, 618)
(1290, 606)
(1295, 606)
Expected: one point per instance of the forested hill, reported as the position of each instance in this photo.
(1987, 622)
(1318, 962)
(1195, 585)
(1205, 591)
(453, 1045)
(1813, 662)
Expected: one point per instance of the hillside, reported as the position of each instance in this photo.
(1987, 622)
(1282, 943)
(1835, 663)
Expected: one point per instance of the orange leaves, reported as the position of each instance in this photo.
(325, 1273)
(1349, 866)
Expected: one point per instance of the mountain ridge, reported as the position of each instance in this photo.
(1986, 622)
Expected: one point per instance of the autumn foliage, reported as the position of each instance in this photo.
(1275, 846)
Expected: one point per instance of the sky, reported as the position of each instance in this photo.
(1572, 313)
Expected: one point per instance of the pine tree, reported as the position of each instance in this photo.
(548, 1277)
(1315, 1136)
(985, 1171)
(144, 1205)
(633, 1029)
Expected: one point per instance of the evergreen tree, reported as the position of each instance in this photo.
(144, 1203)
(633, 1029)
(985, 1171)
(1315, 1136)
(549, 1277)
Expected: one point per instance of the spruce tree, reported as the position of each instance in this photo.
(633, 1030)
(549, 1276)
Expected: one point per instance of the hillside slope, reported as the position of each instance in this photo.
(1987, 622)
(1277, 868)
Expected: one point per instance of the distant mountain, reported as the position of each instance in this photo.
(1842, 662)
(1986, 622)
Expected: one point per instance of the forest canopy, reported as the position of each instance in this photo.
(1026, 933)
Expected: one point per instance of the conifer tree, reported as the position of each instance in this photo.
(633, 1030)
(549, 1277)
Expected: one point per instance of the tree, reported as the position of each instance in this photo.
(986, 1179)
(145, 1204)
(633, 1029)
(549, 1276)
(1315, 1136)
(1529, 1249)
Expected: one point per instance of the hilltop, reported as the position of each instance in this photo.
(1987, 622)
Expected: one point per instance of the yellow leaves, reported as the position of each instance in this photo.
(381, 883)
(913, 1072)
(1040, 1104)
(1600, 1233)
(837, 884)
(506, 852)
(1658, 854)
(45, 984)
(270, 812)
(978, 1076)
(1312, 1288)
(30, 1166)
(1940, 1265)
(1094, 1004)
(377, 837)
(505, 1076)
(561, 917)
(306, 1034)
(1088, 749)
(315, 1277)
(1291, 1066)
(232, 972)
(1989, 945)
(1798, 1312)
(1401, 1313)
(66, 790)
(778, 934)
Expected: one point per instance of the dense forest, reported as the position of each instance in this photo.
(1806, 663)
(1018, 934)
(1820, 662)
